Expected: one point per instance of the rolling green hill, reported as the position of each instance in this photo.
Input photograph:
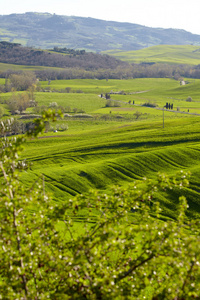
(120, 143)
(115, 146)
(119, 154)
(169, 54)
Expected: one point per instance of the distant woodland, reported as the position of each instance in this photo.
(14, 53)
(73, 64)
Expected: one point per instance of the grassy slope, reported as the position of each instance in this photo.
(116, 155)
(157, 91)
(97, 154)
(4, 67)
(115, 85)
(186, 54)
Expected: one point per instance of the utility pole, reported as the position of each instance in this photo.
(163, 117)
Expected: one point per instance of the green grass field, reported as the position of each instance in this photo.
(170, 54)
(4, 67)
(115, 85)
(158, 91)
(119, 144)
(117, 154)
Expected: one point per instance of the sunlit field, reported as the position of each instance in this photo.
(113, 142)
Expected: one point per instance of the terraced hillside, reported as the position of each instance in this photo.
(118, 141)
(75, 163)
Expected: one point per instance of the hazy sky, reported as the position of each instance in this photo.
(182, 14)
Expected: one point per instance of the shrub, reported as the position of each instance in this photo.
(75, 109)
(18, 103)
(67, 89)
(22, 81)
(39, 109)
(59, 127)
(117, 104)
(105, 117)
(1, 111)
(68, 109)
(137, 114)
(150, 104)
(189, 99)
(84, 116)
(109, 103)
(53, 105)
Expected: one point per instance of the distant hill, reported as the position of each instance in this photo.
(168, 54)
(13, 53)
(46, 31)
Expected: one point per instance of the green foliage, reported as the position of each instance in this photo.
(149, 104)
(22, 81)
(18, 103)
(40, 124)
(98, 245)
(189, 99)
(1, 111)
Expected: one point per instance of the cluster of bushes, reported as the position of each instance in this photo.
(57, 127)
(18, 103)
(66, 109)
(149, 104)
(66, 90)
(83, 116)
(68, 51)
(16, 127)
(112, 103)
(54, 105)
(189, 99)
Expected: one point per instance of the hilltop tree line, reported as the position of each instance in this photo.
(176, 72)
(16, 54)
(120, 72)
(81, 65)
(68, 51)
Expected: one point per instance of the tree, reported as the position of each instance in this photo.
(124, 250)
(137, 114)
(1, 111)
(189, 99)
(31, 91)
(18, 102)
(107, 96)
(53, 105)
(17, 127)
(109, 103)
(22, 81)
